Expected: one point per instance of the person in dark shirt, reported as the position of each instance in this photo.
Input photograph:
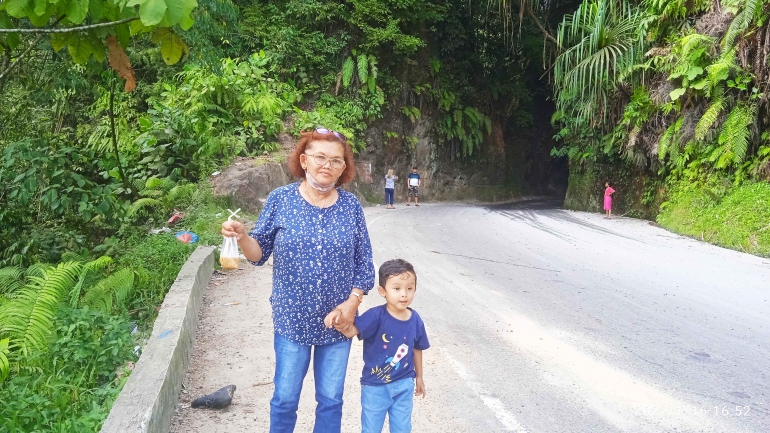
(414, 185)
(317, 234)
(394, 338)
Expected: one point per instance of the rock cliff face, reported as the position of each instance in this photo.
(250, 180)
(512, 162)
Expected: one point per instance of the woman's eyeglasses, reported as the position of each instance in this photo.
(321, 160)
(339, 135)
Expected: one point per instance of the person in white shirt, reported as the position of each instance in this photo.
(390, 188)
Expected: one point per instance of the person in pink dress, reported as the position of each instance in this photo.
(608, 199)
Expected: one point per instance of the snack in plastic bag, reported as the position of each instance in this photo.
(229, 257)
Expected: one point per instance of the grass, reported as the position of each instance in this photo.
(731, 217)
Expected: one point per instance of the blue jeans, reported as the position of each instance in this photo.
(389, 195)
(292, 360)
(395, 399)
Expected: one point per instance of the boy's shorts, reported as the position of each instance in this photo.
(413, 191)
(396, 398)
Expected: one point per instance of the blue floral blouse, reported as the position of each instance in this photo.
(320, 256)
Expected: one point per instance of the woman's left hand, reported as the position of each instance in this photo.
(347, 310)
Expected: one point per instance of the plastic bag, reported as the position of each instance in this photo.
(229, 257)
(187, 237)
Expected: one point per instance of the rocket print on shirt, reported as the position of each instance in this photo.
(389, 345)
(392, 363)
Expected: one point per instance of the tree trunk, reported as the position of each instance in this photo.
(126, 184)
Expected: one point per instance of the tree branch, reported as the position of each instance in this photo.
(70, 29)
(4, 73)
(540, 26)
(13, 65)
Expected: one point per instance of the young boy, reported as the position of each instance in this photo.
(414, 186)
(394, 338)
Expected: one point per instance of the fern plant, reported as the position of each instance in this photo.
(161, 193)
(734, 137)
(360, 68)
(676, 9)
(363, 68)
(347, 72)
(27, 320)
(750, 12)
(11, 280)
(31, 300)
(668, 139)
(89, 274)
(110, 292)
(5, 365)
(711, 114)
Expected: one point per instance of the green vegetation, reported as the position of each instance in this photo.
(114, 113)
(732, 217)
(686, 101)
(676, 91)
(67, 329)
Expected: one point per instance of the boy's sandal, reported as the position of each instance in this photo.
(408, 204)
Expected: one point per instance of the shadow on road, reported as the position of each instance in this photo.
(533, 211)
(540, 203)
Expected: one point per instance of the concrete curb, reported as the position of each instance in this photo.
(146, 403)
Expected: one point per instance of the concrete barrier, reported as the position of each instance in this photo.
(147, 402)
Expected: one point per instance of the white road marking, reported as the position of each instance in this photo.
(372, 221)
(494, 404)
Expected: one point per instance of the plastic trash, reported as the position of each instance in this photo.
(175, 218)
(187, 237)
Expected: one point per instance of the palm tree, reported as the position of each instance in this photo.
(601, 42)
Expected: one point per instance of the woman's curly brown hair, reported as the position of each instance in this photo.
(304, 141)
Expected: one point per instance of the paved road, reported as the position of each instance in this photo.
(541, 320)
(546, 320)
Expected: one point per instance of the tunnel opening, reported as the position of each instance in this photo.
(529, 140)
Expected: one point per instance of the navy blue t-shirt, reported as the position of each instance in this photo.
(389, 345)
(416, 178)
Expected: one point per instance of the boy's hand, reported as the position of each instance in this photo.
(331, 319)
(419, 387)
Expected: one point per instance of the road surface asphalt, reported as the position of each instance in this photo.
(540, 320)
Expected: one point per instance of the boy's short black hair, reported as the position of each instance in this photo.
(414, 168)
(395, 267)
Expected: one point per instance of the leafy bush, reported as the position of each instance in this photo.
(45, 182)
(75, 382)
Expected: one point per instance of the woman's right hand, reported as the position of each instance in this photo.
(233, 229)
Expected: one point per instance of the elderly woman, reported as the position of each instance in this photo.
(323, 262)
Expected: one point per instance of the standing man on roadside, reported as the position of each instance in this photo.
(414, 185)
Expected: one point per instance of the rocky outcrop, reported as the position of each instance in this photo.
(249, 180)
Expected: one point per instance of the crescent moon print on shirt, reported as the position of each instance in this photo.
(389, 345)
